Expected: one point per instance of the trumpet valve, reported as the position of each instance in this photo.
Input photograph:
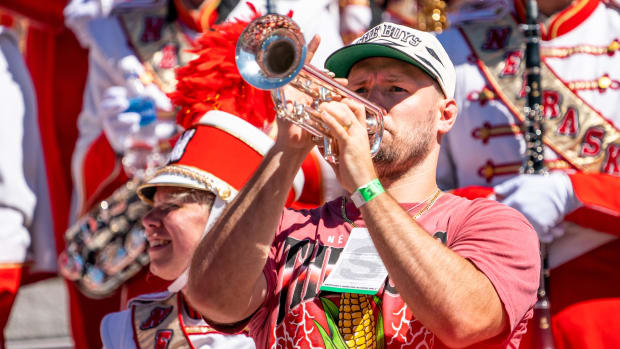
(299, 112)
(325, 94)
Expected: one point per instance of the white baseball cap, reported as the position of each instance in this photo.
(400, 42)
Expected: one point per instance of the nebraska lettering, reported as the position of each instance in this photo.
(593, 141)
(570, 124)
(612, 165)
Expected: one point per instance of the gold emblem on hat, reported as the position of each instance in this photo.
(224, 193)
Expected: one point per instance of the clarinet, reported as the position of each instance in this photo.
(534, 159)
(534, 163)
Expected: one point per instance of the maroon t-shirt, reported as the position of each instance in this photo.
(296, 314)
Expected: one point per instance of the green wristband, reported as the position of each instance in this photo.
(367, 192)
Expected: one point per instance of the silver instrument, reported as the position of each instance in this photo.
(271, 53)
(107, 246)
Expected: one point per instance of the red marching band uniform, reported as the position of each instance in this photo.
(56, 79)
(580, 78)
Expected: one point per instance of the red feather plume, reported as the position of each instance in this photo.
(212, 81)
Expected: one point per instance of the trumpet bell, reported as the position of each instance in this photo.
(270, 52)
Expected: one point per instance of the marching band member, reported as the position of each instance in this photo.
(25, 213)
(209, 164)
(575, 208)
(134, 46)
(187, 197)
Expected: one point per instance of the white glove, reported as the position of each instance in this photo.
(117, 124)
(543, 199)
(78, 14)
(132, 68)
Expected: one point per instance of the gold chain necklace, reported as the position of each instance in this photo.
(430, 204)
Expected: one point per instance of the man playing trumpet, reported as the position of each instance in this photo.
(397, 263)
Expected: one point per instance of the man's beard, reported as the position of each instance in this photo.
(392, 160)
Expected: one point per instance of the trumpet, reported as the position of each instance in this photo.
(271, 53)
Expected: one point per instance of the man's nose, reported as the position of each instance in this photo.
(375, 96)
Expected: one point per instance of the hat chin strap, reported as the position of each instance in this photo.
(178, 284)
(216, 211)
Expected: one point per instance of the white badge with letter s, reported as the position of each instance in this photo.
(359, 268)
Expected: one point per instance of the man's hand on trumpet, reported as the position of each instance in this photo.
(346, 120)
(288, 133)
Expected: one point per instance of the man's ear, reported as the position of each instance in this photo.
(448, 111)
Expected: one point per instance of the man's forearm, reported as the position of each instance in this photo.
(446, 292)
(226, 283)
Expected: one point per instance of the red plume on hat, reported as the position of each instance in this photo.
(223, 116)
(212, 81)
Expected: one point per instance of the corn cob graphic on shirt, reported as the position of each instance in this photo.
(356, 324)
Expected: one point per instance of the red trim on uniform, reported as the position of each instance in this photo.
(520, 9)
(578, 290)
(47, 14)
(290, 198)
(563, 21)
(584, 276)
(59, 77)
(474, 192)
(570, 18)
(180, 305)
(197, 330)
(597, 219)
(198, 19)
(599, 194)
(143, 282)
(9, 284)
(587, 325)
(6, 20)
(28, 276)
(102, 173)
(191, 312)
(187, 16)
